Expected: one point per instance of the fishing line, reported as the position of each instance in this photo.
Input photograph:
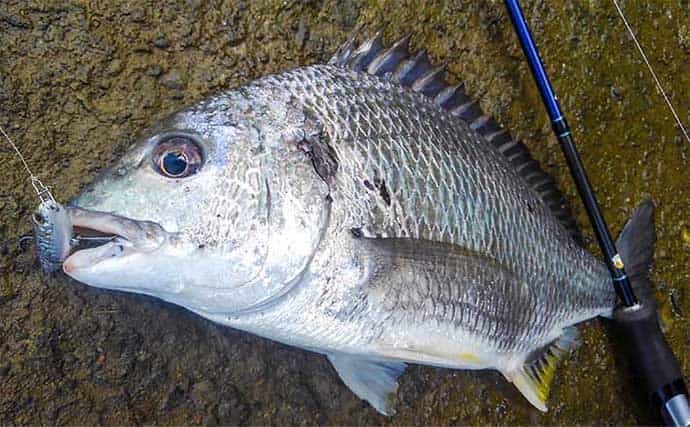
(651, 70)
(43, 192)
(46, 220)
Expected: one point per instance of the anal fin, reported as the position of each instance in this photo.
(375, 381)
(534, 377)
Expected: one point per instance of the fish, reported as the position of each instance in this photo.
(364, 209)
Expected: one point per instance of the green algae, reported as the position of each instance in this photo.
(78, 79)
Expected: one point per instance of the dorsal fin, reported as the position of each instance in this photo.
(416, 72)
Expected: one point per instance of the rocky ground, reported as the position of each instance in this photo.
(79, 78)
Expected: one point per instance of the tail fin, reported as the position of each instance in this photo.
(636, 247)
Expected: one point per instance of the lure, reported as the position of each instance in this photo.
(52, 233)
(52, 226)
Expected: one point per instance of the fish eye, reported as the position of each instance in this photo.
(177, 157)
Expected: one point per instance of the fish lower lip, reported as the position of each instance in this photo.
(86, 258)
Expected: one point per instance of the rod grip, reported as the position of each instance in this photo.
(652, 358)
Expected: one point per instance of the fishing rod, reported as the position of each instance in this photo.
(651, 355)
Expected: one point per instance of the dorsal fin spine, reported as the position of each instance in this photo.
(413, 69)
(498, 137)
(467, 111)
(366, 53)
(480, 123)
(451, 97)
(432, 82)
(388, 60)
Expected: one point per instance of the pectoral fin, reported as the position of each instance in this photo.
(375, 381)
(533, 379)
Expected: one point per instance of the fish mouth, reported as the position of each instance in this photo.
(109, 236)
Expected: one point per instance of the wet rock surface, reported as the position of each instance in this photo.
(78, 79)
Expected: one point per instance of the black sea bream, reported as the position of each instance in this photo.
(363, 209)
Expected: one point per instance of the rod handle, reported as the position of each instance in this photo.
(654, 362)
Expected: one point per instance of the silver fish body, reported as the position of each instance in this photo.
(350, 215)
(407, 171)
